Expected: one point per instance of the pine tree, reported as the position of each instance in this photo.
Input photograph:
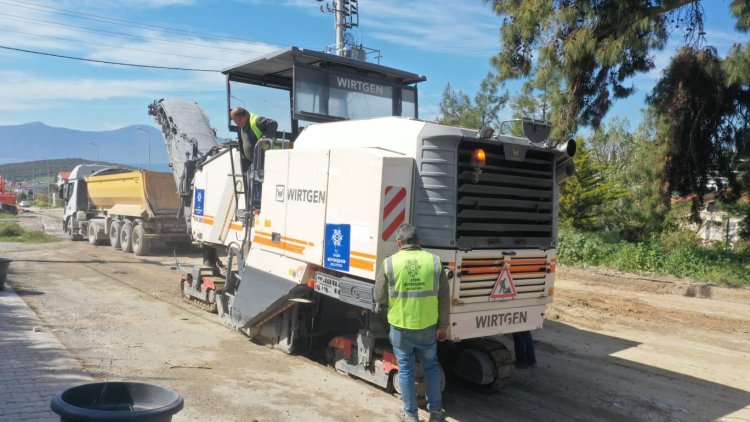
(588, 198)
(457, 109)
(584, 51)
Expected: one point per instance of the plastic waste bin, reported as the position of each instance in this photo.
(117, 401)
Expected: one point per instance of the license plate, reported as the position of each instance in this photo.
(326, 285)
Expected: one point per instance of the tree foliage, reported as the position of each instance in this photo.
(582, 52)
(702, 120)
(589, 198)
(458, 109)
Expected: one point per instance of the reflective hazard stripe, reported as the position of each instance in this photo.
(389, 274)
(426, 293)
(438, 266)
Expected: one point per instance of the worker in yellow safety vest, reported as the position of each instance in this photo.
(252, 127)
(414, 288)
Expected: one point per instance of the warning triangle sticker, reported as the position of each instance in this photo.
(504, 288)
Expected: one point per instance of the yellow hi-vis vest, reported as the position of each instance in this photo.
(413, 282)
(254, 126)
(259, 133)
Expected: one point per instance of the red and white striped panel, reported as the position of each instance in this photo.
(394, 211)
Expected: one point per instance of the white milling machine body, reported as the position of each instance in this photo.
(487, 206)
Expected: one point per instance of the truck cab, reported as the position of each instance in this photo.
(75, 195)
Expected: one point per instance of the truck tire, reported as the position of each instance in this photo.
(114, 235)
(126, 237)
(140, 243)
(72, 236)
(93, 239)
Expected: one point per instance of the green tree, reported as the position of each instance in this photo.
(614, 148)
(582, 52)
(702, 120)
(457, 109)
(646, 204)
(588, 200)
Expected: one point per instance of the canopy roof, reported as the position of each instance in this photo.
(275, 69)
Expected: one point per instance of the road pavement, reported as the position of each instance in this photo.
(34, 365)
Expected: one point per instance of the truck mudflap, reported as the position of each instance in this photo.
(466, 325)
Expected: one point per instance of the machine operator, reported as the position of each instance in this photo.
(252, 127)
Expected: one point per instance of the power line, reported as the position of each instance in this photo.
(121, 22)
(122, 33)
(114, 46)
(108, 62)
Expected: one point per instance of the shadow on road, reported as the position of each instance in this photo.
(557, 389)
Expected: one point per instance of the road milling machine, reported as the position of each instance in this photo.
(306, 229)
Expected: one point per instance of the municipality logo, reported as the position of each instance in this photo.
(337, 237)
(413, 268)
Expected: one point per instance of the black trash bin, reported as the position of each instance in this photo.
(117, 401)
(4, 264)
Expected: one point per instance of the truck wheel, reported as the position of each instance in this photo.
(114, 235)
(92, 235)
(71, 235)
(141, 243)
(126, 237)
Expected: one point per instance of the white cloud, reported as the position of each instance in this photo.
(21, 91)
(438, 26)
(140, 4)
(24, 91)
(441, 26)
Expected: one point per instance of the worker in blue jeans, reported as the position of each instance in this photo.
(524, 347)
(414, 288)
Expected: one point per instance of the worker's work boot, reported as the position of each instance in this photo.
(405, 417)
(437, 416)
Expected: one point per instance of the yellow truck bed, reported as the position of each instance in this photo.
(138, 193)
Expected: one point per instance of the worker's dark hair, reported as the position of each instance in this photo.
(407, 234)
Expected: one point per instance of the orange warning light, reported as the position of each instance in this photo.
(478, 158)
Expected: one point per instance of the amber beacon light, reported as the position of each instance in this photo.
(478, 158)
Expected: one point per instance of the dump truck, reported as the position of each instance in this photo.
(7, 199)
(131, 210)
(306, 228)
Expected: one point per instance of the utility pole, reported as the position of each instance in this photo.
(240, 100)
(338, 8)
(346, 16)
(149, 144)
(97, 151)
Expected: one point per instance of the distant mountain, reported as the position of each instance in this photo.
(37, 141)
(45, 171)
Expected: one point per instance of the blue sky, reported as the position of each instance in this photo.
(447, 41)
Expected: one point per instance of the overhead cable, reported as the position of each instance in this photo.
(124, 34)
(108, 62)
(114, 46)
(122, 22)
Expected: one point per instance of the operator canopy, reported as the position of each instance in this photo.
(326, 87)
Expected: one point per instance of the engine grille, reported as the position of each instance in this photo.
(477, 277)
(509, 204)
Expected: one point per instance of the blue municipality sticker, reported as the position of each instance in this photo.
(198, 203)
(337, 240)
